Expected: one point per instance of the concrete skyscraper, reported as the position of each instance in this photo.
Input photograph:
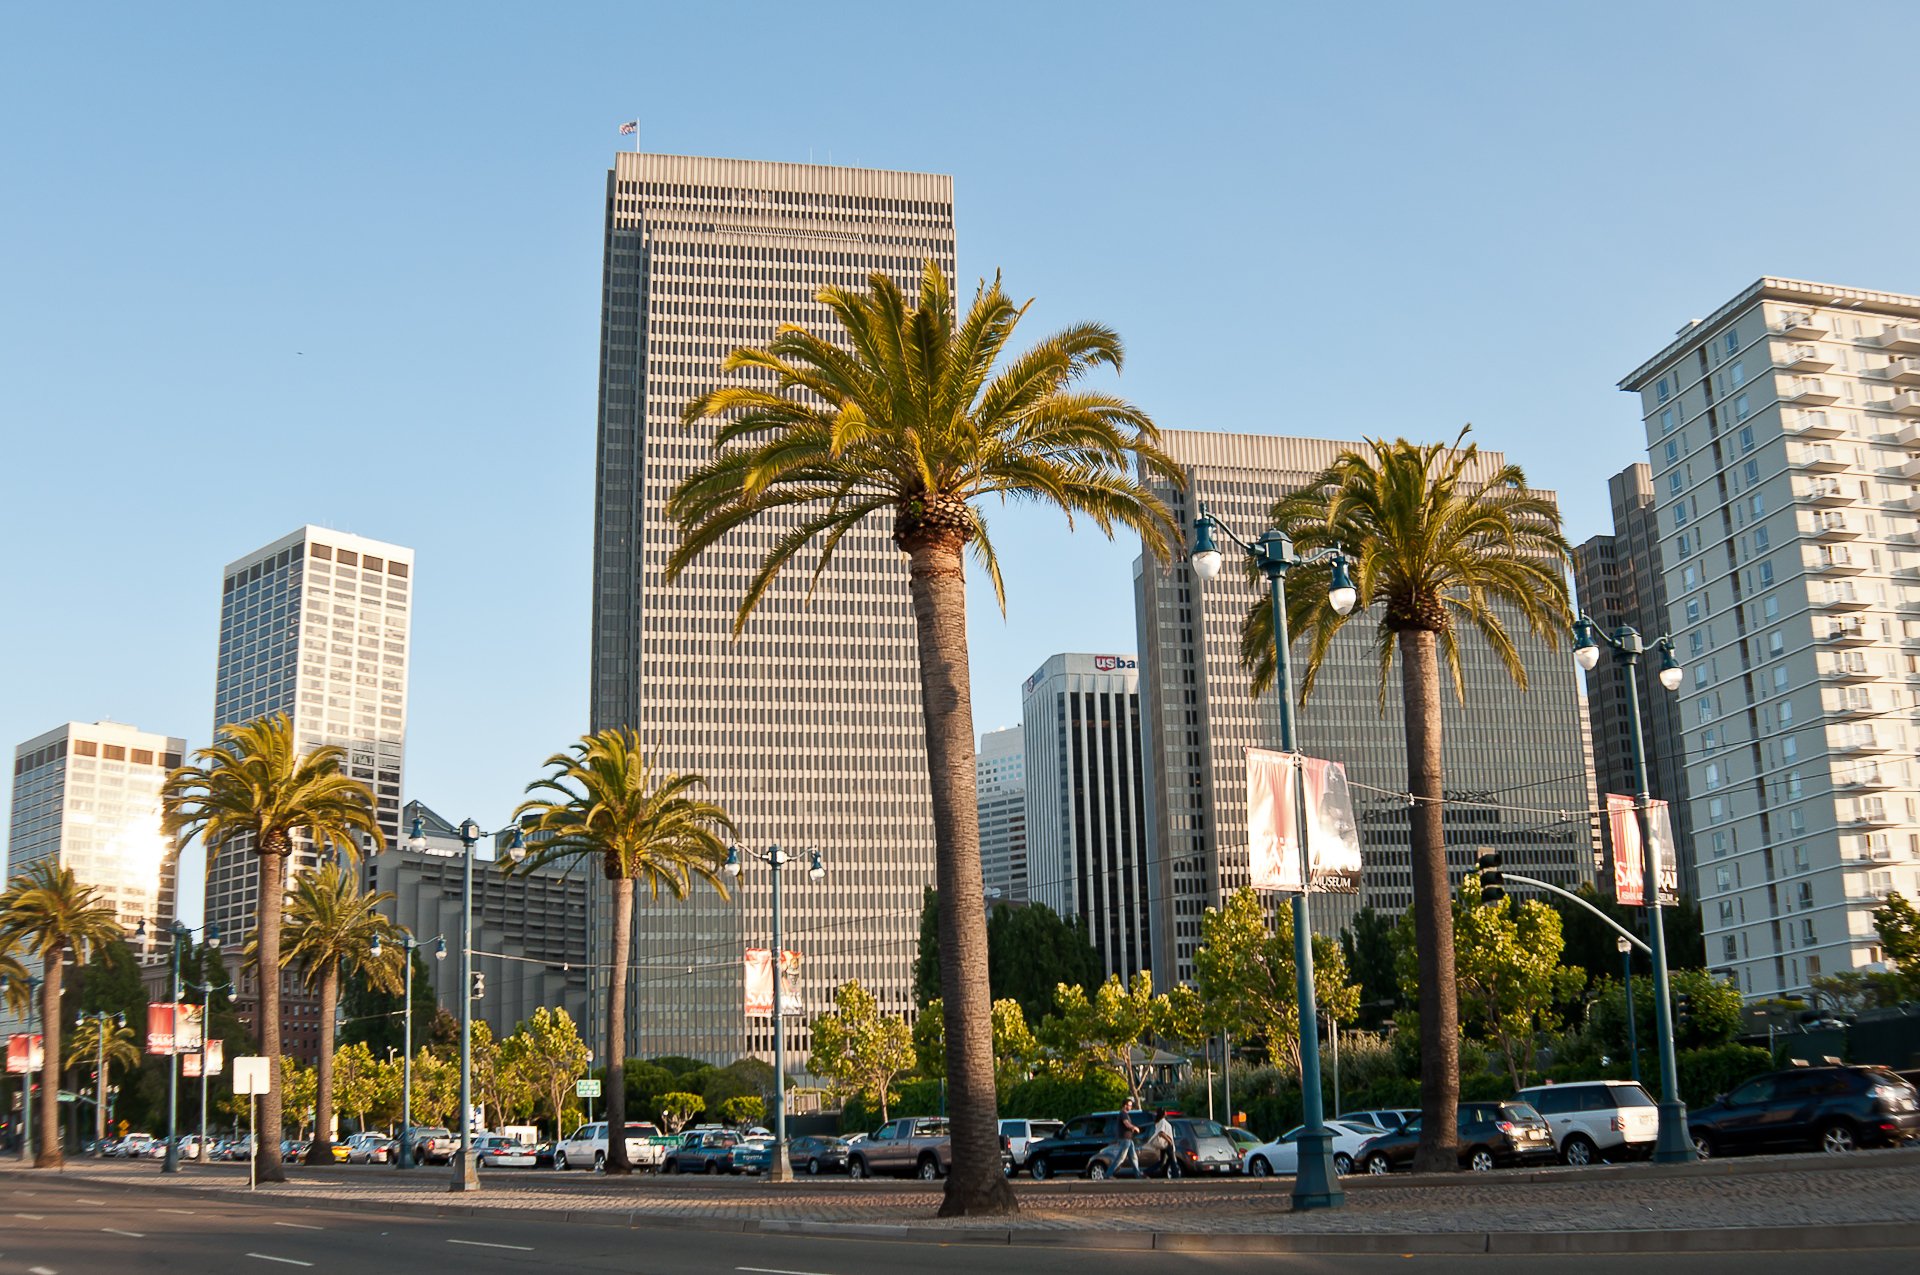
(1086, 803)
(807, 727)
(1618, 580)
(315, 625)
(1515, 764)
(1000, 784)
(1784, 432)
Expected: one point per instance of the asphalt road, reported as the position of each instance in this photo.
(80, 1229)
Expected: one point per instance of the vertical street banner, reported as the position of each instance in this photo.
(172, 1028)
(25, 1053)
(216, 1061)
(759, 981)
(1630, 857)
(1273, 824)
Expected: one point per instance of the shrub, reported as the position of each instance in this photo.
(1706, 1073)
(1059, 1098)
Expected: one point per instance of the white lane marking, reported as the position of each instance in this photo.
(81, 1199)
(132, 1235)
(285, 1261)
(518, 1248)
(173, 1210)
(300, 1226)
(773, 1270)
(40, 1270)
(32, 1217)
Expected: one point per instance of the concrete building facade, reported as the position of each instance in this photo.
(315, 625)
(806, 726)
(1515, 763)
(1784, 440)
(1086, 799)
(1618, 581)
(1000, 782)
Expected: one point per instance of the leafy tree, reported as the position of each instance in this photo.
(1030, 952)
(1898, 924)
(254, 792)
(46, 912)
(1109, 1031)
(1507, 962)
(1850, 991)
(907, 421)
(436, 1090)
(678, 1108)
(485, 1062)
(1715, 1017)
(300, 1084)
(744, 1109)
(859, 1048)
(517, 1081)
(356, 1080)
(739, 1078)
(1437, 545)
(555, 1058)
(602, 802)
(1369, 949)
(1016, 1050)
(1247, 976)
(333, 926)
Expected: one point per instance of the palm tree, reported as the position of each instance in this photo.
(1443, 540)
(332, 925)
(100, 1040)
(47, 913)
(253, 792)
(908, 420)
(606, 805)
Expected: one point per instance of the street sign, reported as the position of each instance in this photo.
(586, 1088)
(251, 1075)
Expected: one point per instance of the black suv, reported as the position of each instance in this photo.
(1829, 1108)
(1082, 1138)
(1491, 1134)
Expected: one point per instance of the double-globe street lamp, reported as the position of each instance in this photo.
(409, 945)
(1315, 1184)
(1673, 1146)
(778, 1169)
(464, 1176)
(181, 932)
(26, 1077)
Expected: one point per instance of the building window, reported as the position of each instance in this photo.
(1786, 711)
(1759, 504)
(1761, 540)
(1720, 852)
(1661, 390)
(1730, 947)
(1746, 438)
(1733, 341)
(1766, 575)
(1693, 610)
(1722, 880)
(1673, 445)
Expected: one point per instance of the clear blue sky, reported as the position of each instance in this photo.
(263, 265)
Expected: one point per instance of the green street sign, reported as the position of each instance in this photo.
(586, 1088)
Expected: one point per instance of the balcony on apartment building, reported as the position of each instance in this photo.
(1816, 425)
(1819, 459)
(1802, 325)
(1852, 706)
(1803, 358)
(1864, 779)
(1872, 813)
(1847, 633)
(1899, 338)
(1850, 667)
(1908, 435)
(1809, 389)
(1836, 562)
(1841, 597)
(1856, 741)
(1830, 491)
(1833, 526)
(1899, 372)
(1906, 402)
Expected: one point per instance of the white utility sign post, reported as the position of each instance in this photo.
(251, 1076)
(588, 1089)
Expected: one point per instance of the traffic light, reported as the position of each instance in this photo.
(1493, 885)
(1682, 1012)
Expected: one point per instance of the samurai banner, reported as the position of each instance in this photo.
(172, 1029)
(216, 1061)
(25, 1053)
(1630, 857)
(759, 965)
(1274, 817)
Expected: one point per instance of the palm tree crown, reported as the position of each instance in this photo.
(1430, 537)
(254, 783)
(912, 419)
(99, 1038)
(331, 926)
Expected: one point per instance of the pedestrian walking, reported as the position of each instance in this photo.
(1129, 1156)
(1163, 1139)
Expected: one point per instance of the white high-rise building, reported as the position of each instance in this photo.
(1086, 803)
(87, 796)
(315, 625)
(1000, 784)
(1784, 436)
(807, 725)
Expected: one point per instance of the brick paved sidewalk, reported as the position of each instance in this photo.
(1799, 1191)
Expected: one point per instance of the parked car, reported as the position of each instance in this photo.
(818, 1154)
(428, 1144)
(132, 1147)
(1282, 1155)
(368, 1147)
(1079, 1140)
(1244, 1140)
(1200, 1147)
(1598, 1119)
(1386, 1119)
(1022, 1134)
(498, 1151)
(919, 1145)
(1491, 1135)
(543, 1154)
(586, 1147)
(710, 1151)
(752, 1156)
(1826, 1108)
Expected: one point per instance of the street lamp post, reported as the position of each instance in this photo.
(100, 1067)
(26, 1077)
(464, 1176)
(1633, 1031)
(410, 946)
(170, 1163)
(1315, 1184)
(1674, 1145)
(778, 1169)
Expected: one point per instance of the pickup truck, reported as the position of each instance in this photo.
(919, 1145)
(429, 1144)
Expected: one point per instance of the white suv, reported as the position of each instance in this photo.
(1597, 1119)
(586, 1148)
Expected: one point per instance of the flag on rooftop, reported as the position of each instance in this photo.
(631, 126)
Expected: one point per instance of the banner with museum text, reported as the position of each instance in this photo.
(1273, 824)
(759, 964)
(25, 1053)
(173, 1029)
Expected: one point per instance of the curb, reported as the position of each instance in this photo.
(1850, 1237)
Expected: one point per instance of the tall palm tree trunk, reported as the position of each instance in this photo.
(321, 1152)
(615, 1087)
(976, 1186)
(1432, 908)
(273, 899)
(49, 1156)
